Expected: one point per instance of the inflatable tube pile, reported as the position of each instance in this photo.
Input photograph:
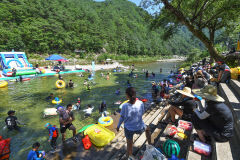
(60, 84)
(99, 136)
(105, 121)
(3, 84)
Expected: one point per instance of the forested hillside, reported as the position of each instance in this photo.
(64, 26)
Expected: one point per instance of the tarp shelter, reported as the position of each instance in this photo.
(56, 57)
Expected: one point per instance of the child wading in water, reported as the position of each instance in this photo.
(107, 77)
(131, 115)
(53, 135)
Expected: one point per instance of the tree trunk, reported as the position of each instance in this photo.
(196, 32)
(206, 41)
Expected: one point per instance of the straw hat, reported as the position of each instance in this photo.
(209, 92)
(186, 91)
(199, 72)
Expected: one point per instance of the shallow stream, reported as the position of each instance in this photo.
(28, 100)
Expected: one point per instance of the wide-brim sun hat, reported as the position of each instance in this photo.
(209, 92)
(186, 91)
(199, 72)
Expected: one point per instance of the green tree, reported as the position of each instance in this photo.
(202, 17)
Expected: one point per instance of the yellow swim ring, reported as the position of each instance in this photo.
(60, 84)
(56, 102)
(3, 84)
(105, 121)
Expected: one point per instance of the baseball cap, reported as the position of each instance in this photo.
(10, 112)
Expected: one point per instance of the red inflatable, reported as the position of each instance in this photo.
(9, 74)
(26, 79)
(4, 148)
(86, 142)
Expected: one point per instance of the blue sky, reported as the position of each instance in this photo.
(134, 1)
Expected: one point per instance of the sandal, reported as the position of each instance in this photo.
(169, 121)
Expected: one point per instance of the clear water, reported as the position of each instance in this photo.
(28, 100)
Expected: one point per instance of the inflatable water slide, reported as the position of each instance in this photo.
(17, 60)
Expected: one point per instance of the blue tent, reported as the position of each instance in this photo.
(55, 57)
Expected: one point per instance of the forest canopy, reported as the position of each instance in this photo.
(67, 26)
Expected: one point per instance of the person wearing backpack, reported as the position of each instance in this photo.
(53, 135)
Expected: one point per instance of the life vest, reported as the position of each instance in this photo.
(4, 149)
(55, 131)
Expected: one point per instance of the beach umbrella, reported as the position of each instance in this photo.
(56, 57)
(238, 46)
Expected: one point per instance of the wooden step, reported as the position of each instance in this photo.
(223, 151)
(235, 84)
(122, 147)
(156, 131)
(233, 103)
(193, 155)
(119, 147)
(153, 121)
(94, 152)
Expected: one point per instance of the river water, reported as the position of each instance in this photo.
(28, 100)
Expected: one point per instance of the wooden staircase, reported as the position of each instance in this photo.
(116, 150)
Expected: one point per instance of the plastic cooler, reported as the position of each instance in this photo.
(185, 124)
(202, 148)
(171, 130)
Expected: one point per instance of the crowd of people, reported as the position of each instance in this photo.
(200, 103)
(196, 100)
